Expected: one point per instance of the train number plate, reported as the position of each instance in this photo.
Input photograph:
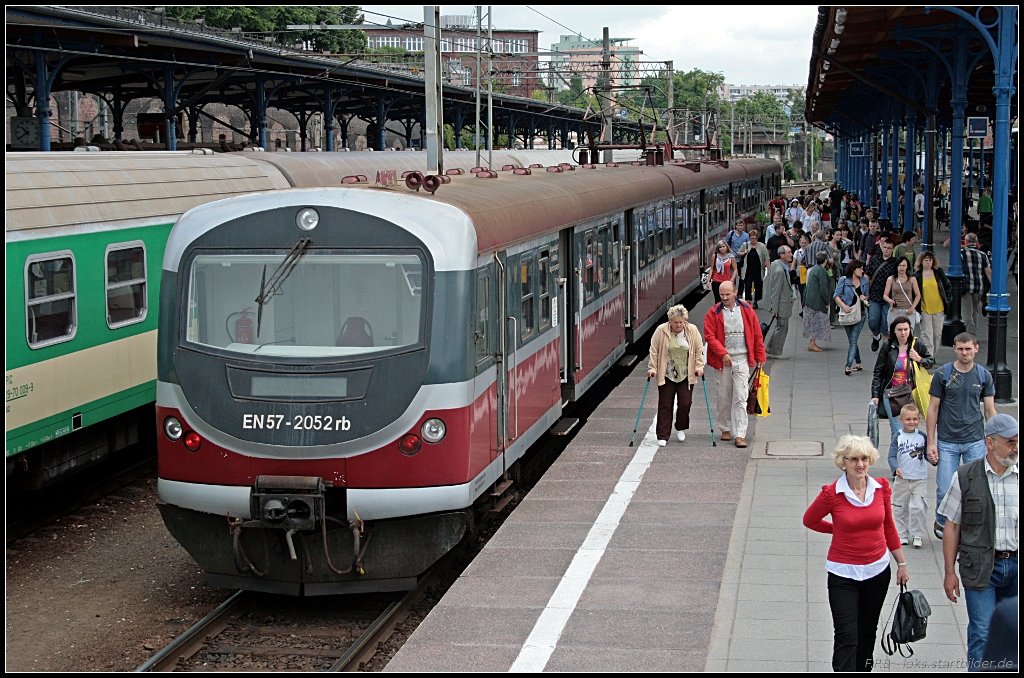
(298, 422)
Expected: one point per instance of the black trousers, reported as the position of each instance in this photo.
(668, 395)
(856, 607)
(752, 286)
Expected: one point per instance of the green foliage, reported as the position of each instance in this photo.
(272, 21)
(788, 171)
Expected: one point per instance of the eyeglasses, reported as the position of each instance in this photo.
(854, 460)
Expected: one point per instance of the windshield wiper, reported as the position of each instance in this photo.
(268, 288)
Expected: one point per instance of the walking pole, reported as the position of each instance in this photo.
(642, 400)
(708, 405)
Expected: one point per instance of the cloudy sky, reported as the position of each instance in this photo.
(749, 44)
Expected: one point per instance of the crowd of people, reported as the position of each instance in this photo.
(851, 278)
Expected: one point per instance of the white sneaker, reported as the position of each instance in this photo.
(680, 436)
(903, 540)
(917, 542)
(662, 443)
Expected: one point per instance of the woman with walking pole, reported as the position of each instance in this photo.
(677, 360)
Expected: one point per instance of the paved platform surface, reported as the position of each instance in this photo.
(689, 557)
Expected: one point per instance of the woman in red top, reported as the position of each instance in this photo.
(723, 268)
(863, 534)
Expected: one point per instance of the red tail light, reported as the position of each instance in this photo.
(410, 444)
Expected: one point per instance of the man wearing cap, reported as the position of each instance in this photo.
(982, 508)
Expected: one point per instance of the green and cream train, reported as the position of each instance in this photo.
(84, 240)
(85, 236)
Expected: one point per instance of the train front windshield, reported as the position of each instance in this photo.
(305, 304)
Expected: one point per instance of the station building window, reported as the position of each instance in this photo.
(50, 299)
(126, 284)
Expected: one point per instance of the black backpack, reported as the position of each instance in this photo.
(909, 622)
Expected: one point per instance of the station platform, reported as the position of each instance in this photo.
(689, 557)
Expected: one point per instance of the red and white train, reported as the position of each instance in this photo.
(344, 370)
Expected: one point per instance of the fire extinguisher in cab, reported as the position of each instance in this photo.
(243, 327)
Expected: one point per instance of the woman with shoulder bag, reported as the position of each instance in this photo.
(723, 268)
(936, 297)
(863, 535)
(902, 293)
(852, 297)
(892, 382)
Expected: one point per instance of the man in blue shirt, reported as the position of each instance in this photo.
(960, 405)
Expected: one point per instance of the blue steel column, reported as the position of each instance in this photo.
(908, 171)
(883, 201)
(43, 112)
(1004, 49)
(328, 120)
(998, 299)
(930, 132)
(954, 324)
(895, 204)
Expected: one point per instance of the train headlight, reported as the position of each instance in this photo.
(410, 444)
(307, 219)
(433, 430)
(172, 428)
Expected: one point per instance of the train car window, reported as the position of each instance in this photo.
(659, 220)
(481, 333)
(652, 251)
(527, 272)
(641, 240)
(126, 284)
(615, 258)
(333, 303)
(590, 268)
(50, 299)
(692, 207)
(604, 268)
(544, 289)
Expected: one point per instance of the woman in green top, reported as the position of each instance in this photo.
(817, 298)
(677, 360)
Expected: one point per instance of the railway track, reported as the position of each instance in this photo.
(262, 632)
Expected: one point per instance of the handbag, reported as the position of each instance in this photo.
(765, 326)
(909, 619)
(752, 405)
(763, 404)
(898, 397)
(853, 317)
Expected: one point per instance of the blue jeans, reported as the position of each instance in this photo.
(852, 335)
(981, 603)
(895, 426)
(951, 456)
(878, 315)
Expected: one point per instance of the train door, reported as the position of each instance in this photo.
(505, 353)
(566, 292)
(630, 267)
(485, 339)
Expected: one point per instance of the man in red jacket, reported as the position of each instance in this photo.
(735, 346)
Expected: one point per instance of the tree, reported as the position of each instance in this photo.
(273, 22)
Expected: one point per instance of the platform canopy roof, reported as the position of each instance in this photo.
(870, 61)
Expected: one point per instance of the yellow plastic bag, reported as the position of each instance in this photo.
(922, 384)
(762, 394)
